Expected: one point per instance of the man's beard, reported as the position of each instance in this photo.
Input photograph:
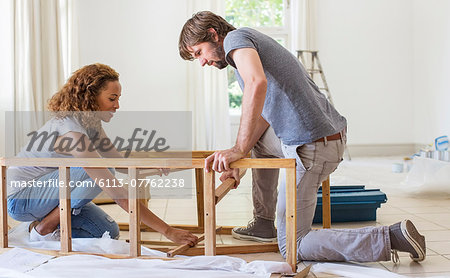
(220, 53)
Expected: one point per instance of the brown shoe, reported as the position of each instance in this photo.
(405, 238)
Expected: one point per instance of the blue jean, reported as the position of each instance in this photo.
(88, 220)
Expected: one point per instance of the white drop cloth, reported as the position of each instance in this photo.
(95, 266)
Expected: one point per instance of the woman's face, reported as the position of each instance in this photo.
(108, 100)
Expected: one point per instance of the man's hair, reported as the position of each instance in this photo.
(195, 31)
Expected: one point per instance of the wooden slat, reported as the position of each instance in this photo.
(133, 210)
(291, 219)
(199, 184)
(142, 173)
(173, 154)
(210, 214)
(226, 230)
(227, 185)
(184, 247)
(223, 249)
(264, 163)
(182, 163)
(156, 242)
(65, 210)
(3, 209)
(326, 204)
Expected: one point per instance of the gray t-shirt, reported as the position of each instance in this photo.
(294, 106)
(33, 149)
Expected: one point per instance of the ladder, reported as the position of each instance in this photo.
(311, 62)
(313, 66)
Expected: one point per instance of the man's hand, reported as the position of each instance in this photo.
(181, 236)
(232, 173)
(220, 160)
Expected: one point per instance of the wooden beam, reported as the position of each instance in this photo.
(156, 242)
(226, 230)
(223, 249)
(142, 173)
(291, 219)
(210, 214)
(227, 185)
(184, 247)
(182, 163)
(171, 154)
(264, 163)
(199, 184)
(326, 204)
(3, 209)
(133, 210)
(65, 210)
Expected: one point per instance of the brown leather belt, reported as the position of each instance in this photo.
(336, 136)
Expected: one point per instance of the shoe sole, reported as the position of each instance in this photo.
(252, 238)
(410, 232)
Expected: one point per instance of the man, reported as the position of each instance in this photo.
(285, 115)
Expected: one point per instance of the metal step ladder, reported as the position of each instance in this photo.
(313, 66)
(311, 62)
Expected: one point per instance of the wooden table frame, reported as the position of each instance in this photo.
(199, 178)
(209, 196)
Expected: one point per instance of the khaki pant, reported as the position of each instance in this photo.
(315, 161)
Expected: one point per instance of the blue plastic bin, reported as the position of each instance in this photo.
(351, 203)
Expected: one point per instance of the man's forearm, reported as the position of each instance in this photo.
(252, 124)
(259, 129)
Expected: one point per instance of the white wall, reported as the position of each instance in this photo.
(139, 39)
(366, 51)
(431, 81)
(388, 67)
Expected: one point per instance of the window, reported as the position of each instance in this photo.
(269, 17)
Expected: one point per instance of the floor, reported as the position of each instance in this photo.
(430, 214)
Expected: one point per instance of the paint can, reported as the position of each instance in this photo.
(407, 163)
(397, 167)
(425, 153)
(446, 156)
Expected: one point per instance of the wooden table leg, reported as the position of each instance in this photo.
(133, 210)
(199, 183)
(210, 214)
(65, 210)
(291, 218)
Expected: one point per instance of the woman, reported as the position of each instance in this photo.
(90, 96)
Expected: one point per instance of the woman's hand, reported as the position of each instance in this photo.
(181, 236)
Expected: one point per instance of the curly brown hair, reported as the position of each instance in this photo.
(195, 31)
(81, 90)
(78, 97)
